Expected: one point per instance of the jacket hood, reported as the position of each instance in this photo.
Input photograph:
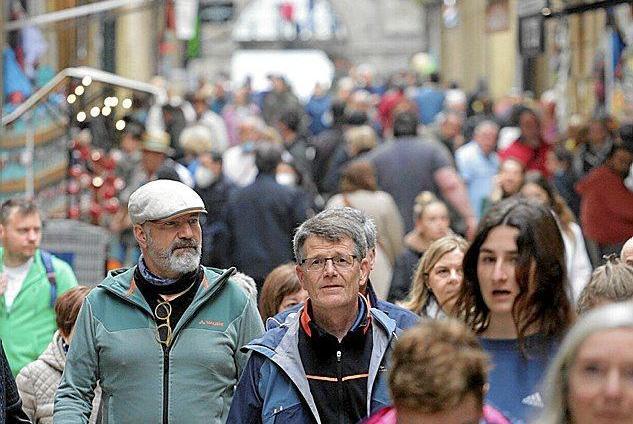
(54, 355)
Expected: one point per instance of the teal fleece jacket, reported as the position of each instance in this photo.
(191, 382)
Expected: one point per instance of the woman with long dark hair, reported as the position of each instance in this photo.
(515, 297)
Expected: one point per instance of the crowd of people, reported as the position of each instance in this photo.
(373, 145)
(407, 253)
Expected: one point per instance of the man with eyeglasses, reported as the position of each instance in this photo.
(162, 338)
(403, 317)
(327, 363)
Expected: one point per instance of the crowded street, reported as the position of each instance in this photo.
(316, 211)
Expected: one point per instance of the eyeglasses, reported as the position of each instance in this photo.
(340, 262)
(163, 331)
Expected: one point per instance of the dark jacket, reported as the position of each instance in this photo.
(10, 403)
(326, 144)
(303, 157)
(274, 387)
(262, 218)
(403, 271)
(215, 231)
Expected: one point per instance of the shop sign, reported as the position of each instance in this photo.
(531, 36)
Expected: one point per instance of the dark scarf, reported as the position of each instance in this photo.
(148, 280)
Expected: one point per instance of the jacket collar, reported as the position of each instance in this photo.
(361, 322)
(280, 345)
(122, 285)
(54, 355)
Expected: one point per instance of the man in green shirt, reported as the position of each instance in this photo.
(27, 291)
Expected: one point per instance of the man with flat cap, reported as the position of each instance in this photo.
(163, 338)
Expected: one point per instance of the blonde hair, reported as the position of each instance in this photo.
(612, 282)
(556, 383)
(423, 201)
(196, 139)
(420, 294)
(360, 139)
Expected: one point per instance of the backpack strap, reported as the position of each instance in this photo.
(47, 260)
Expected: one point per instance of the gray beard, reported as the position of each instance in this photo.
(187, 260)
(182, 262)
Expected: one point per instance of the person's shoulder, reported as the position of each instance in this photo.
(117, 280)
(29, 373)
(58, 263)
(267, 343)
(388, 323)
(237, 287)
(514, 146)
(385, 148)
(281, 318)
(404, 318)
(380, 196)
(595, 180)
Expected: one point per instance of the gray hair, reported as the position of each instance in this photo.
(371, 233)
(556, 385)
(333, 225)
(487, 123)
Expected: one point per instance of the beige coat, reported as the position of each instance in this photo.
(381, 207)
(38, 381)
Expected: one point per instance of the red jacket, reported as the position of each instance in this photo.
(606, 206)
(531, 159)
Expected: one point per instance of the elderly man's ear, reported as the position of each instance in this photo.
(140, 235)
(365, 268)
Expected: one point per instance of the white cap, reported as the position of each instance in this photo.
(162, 199)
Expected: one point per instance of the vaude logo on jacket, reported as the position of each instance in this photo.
(211, 323)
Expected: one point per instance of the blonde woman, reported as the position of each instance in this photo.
(438, 278)
(589, 380)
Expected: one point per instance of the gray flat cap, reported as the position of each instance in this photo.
(161, 199)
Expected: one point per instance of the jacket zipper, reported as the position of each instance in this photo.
(222, 279)
(340, 385)
(167, 349)
(166, 385)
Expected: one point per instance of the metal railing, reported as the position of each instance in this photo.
(79, 73)
(25, 110)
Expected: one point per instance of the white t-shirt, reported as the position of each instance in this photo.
(15, 277)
